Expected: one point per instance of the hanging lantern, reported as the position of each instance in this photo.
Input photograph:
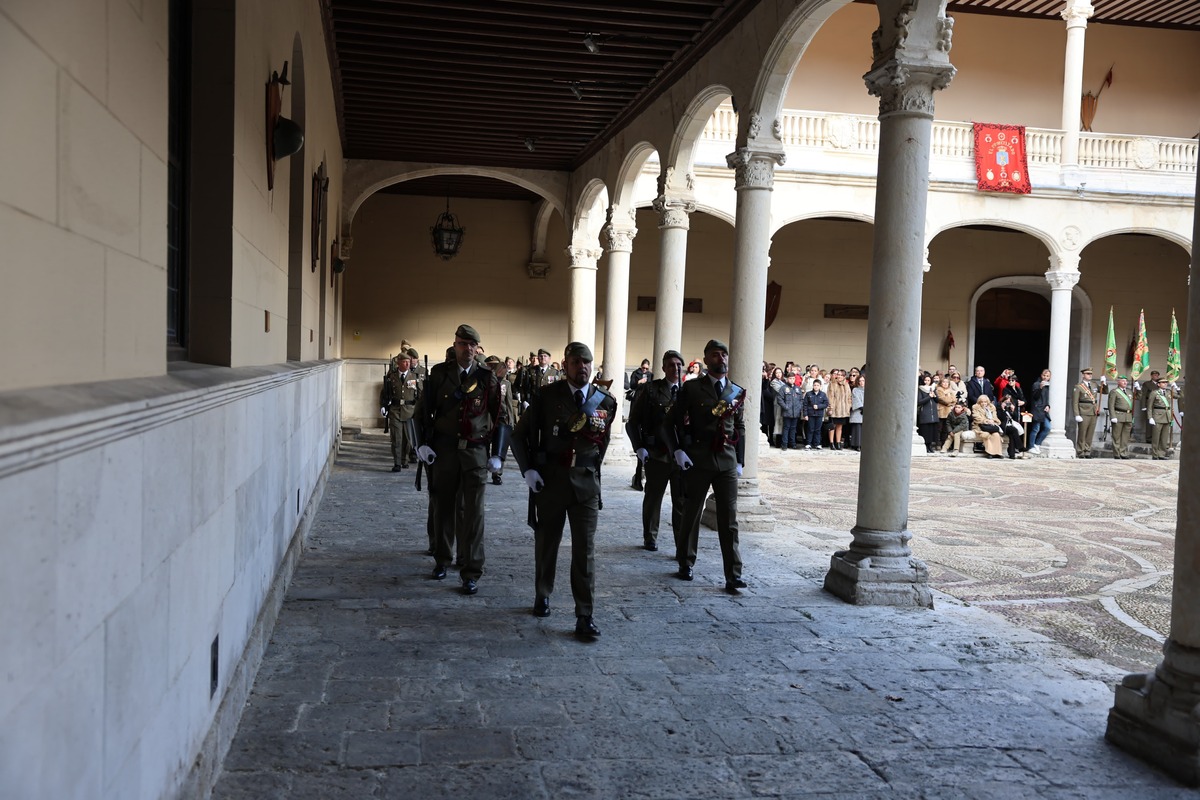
(447, 234)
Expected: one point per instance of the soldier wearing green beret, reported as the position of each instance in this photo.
(706, 435)
(460, 410)
(650, 411)
(559, 444)
(538, 374)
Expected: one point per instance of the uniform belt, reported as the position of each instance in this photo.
(445, 440)
(559, 459)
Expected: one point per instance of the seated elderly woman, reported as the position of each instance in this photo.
(986, 424)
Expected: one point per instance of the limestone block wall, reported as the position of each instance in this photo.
(362, 379)
(139, 522)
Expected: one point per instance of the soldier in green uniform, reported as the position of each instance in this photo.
(538, 375)
(1120, 414)
(705, 434)
(559, 444)
(1087, 408)
(1158, 410)
(460, 410)
(649, 413)
(508, 400)
(401, 390)
(1144, 390)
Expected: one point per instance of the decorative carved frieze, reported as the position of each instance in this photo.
(753, 169)
(1070, 238)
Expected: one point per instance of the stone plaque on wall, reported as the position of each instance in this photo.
(843, 311)
(691, 305)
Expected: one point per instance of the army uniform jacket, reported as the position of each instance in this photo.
(652, 403)
(712, 441)
(508, 399)
(566, 459)
(1120, 404)
(1084, 401)
(1159, 407)
(400, 394)
(452, 416)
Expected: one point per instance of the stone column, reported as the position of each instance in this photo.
(1076, 14)
(672, 268)
(911, 62)
(616, 310)
(581, 325)
(1061, 281)
(754, 178)
(1157, 716)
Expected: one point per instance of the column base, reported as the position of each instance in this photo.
(1157, 716)
(1057, 445)
(854, 578)
(918, 445)
(753, 512)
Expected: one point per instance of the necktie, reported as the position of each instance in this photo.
(579, 398)
(674, 390)
(463, 377)
(720, 388)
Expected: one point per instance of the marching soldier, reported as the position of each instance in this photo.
(1120, 414)
(1087, 408)
(705, 434)
(508, 400)
(539, 374)
(460, 410)
(401, 390)
(650, 411)
(559, 444)
(1158, 410)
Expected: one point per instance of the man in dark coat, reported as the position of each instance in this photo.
(649, 412)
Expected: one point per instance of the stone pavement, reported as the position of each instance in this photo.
(381, 683)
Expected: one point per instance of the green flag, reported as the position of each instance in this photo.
(1174, 365)
(1110, 349)
(1141, 354)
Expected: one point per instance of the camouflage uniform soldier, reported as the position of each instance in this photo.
(459, 412)
(401, 391)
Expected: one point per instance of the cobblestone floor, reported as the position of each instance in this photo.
(380, 683)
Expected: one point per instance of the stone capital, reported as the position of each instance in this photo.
(1062, 279)
(754, 169)
(538, 270)
(1077, 13)
(911, 59)
(674, 211)
(620, 238)
(584, 257)
(906, 88)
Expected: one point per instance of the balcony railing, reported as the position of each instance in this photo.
(856, 134)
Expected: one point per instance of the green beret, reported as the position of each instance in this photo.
(578, 349)
(412, 352)
(492, 360)
(468, 333)
(543, 352)
(674, 354)
(716, 344)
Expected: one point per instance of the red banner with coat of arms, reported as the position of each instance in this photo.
(1000, 163)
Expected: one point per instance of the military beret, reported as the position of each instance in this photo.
(480, 360)
(467, 332)
(403, 355)
(1122, 377)
(672, 354)
(716, 344)
(492, 360)
(578, 349)
(412, 352)
(543, 352)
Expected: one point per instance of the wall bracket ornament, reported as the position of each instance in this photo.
(537, 270)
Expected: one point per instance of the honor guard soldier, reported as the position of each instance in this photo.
(1087, 408)
(401, 391)
(508, 400)
(650, 412)
(1158, 410)
(1145, 389)
(1120, 415)
(539, 375)
(459, 413)
(559, 444)
(705, 435)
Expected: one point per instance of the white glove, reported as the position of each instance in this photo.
(1175, 386)
(382, 412)
(1104, 379)
(681, 458)
(739, 466)
(1137, 386)
(494, 465)
(534, 480)
(1152, 422)
(643, 454)
(426, 454)
(1078, 419)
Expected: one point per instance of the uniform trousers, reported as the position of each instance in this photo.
(401, 442)
(458, 487)
(1160, 439)
(1083, 436)
(687, 536)
(1120, 438)
(556, 508)
(660, 474)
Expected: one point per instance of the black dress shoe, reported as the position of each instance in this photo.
(586, 629)
(470, 587)
(396, 467)
(685, 573)
(637, 485)
(734, 585)
(541, 607)
(438, 573)
(651, 546)
(496, 481)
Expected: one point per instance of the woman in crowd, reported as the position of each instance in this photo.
(693, 371)
(1010, 422)
(927, 413)
(789, 401)
(958, 421)
(986, 425)
(778, 384)
(1012, 388)
(946, 398)
(852, 377)
(857, 396)
(839, 407)
(959, 386)
(766, 409)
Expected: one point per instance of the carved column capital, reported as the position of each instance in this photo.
(620, 238)
(1077, 13)
(911, 59)
(1063, 279)
(907, 87)
(753, 169)
(584, 257)
(674, 211)
(538, 270)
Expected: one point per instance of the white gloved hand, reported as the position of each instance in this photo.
(681, 458)
(534, 480)
(382, 411)
(1137, 386)
(739, 466)
(1078, 419)
(1104, 379)
(494, 465)
(1152, 422)
(426, 454)
(643, 454)
(1175, 386)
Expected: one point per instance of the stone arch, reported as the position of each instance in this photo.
(1052, 246)
(857, 216)
(1162, 233)
(691, 126)
(591, 212)
(627, 176)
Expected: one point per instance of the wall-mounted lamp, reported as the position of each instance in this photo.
(575, 90)
(447, 234)
(590, 43)
(335, 261)
(284, 137)
(530, 143)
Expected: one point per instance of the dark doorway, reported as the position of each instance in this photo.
(1012, 329)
